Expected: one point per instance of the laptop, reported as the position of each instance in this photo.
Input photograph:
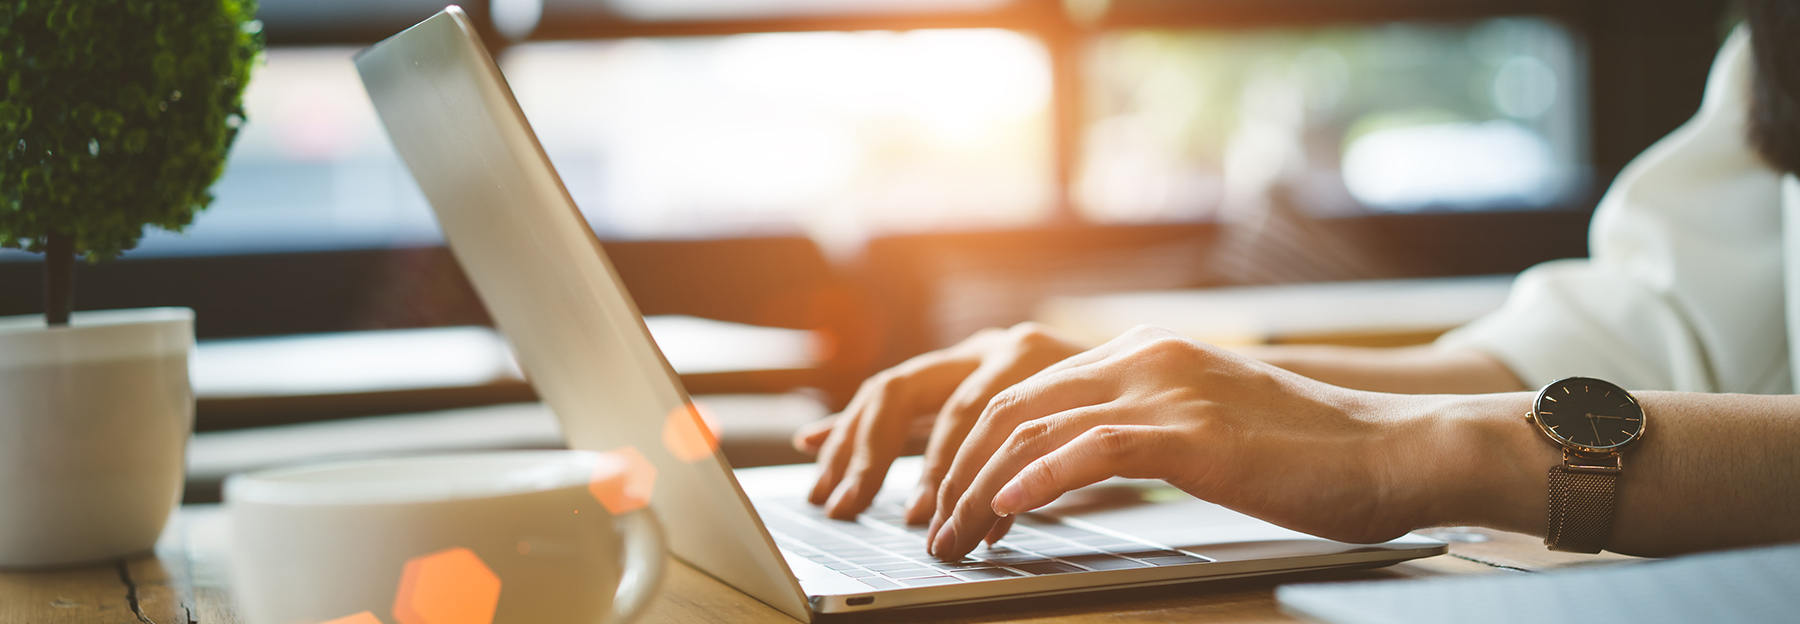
(547, 283)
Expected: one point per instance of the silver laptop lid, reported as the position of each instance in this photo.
(544, 278)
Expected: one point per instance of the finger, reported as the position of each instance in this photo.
(1101, 453)
(1031, 399)
(811, 436)
(1033, 349)
(954, 421)
(891, 402)
(833, 457)
(1123, 342)
(1000, 529)
(879, 438)
(972, 516)
(836, 452)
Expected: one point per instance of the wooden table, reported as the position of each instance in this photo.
(185, 582)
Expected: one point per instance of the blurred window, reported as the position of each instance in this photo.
(840, 135)
(311, 170)
(672, 10)
(846, 135)
(837, 134)
(1399, 117)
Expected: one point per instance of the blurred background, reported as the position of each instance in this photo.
(894, 174)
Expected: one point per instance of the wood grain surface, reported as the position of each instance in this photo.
(185, 582)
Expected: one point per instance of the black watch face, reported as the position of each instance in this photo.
(1589, 413)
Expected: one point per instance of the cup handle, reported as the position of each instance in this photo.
(645, 555)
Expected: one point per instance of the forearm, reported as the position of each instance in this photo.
(1712, 470)
(1409, 370)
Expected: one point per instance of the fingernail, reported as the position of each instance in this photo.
(1007, 501)
(913, 509)
(837, 499)
(946, 541)
(931, 533)
(819, 493)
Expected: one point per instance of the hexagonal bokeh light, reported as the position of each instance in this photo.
(447, 587)
(623, 480)
(689, 434)
(360, 618)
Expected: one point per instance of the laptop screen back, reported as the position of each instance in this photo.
(547, 283)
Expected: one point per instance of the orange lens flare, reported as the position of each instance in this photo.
(360, 618)
(690, 433)
(447, 587)
(623, 480)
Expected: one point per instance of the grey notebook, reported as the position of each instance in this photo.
(1756, 585)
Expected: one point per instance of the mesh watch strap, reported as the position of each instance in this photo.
(1581, 509)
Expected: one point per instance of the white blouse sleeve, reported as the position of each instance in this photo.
(1684, 290)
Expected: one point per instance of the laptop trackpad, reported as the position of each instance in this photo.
(1158, 512)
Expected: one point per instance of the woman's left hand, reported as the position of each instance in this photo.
(1341, 464)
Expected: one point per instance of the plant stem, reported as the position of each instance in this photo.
(59, 278)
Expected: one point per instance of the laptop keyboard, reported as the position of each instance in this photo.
(880, 550)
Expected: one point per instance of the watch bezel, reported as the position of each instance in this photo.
(1537, 405)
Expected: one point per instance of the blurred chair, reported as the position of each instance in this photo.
(765, 282)
(748, 323)
(771, 281)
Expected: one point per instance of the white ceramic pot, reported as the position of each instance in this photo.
(94, 422)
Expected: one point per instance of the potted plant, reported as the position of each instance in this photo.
(118, 115)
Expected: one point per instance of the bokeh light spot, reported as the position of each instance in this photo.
(623, 480)
(447, 587)
(690, 434)
(360, 618)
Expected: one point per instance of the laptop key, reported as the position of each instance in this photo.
(1065, 551)
(912, 573)
(1121, 546)
(879, 542)
(961, 565)
(1104, 562)
(897, 565)
(1045, 567)
(1014, 559)
(984, 574)
(841, 566)
(879, 583)
(998, 553)
(930, 581)
(1066, 531)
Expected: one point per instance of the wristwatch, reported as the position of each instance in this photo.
(1594, 422)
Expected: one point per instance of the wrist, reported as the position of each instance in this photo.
(1484, 465)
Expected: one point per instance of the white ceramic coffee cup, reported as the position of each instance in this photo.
(318, 543)
(94, 422)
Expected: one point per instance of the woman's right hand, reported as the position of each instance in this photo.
(856, 447)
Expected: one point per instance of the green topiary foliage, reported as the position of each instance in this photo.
(118, 115)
